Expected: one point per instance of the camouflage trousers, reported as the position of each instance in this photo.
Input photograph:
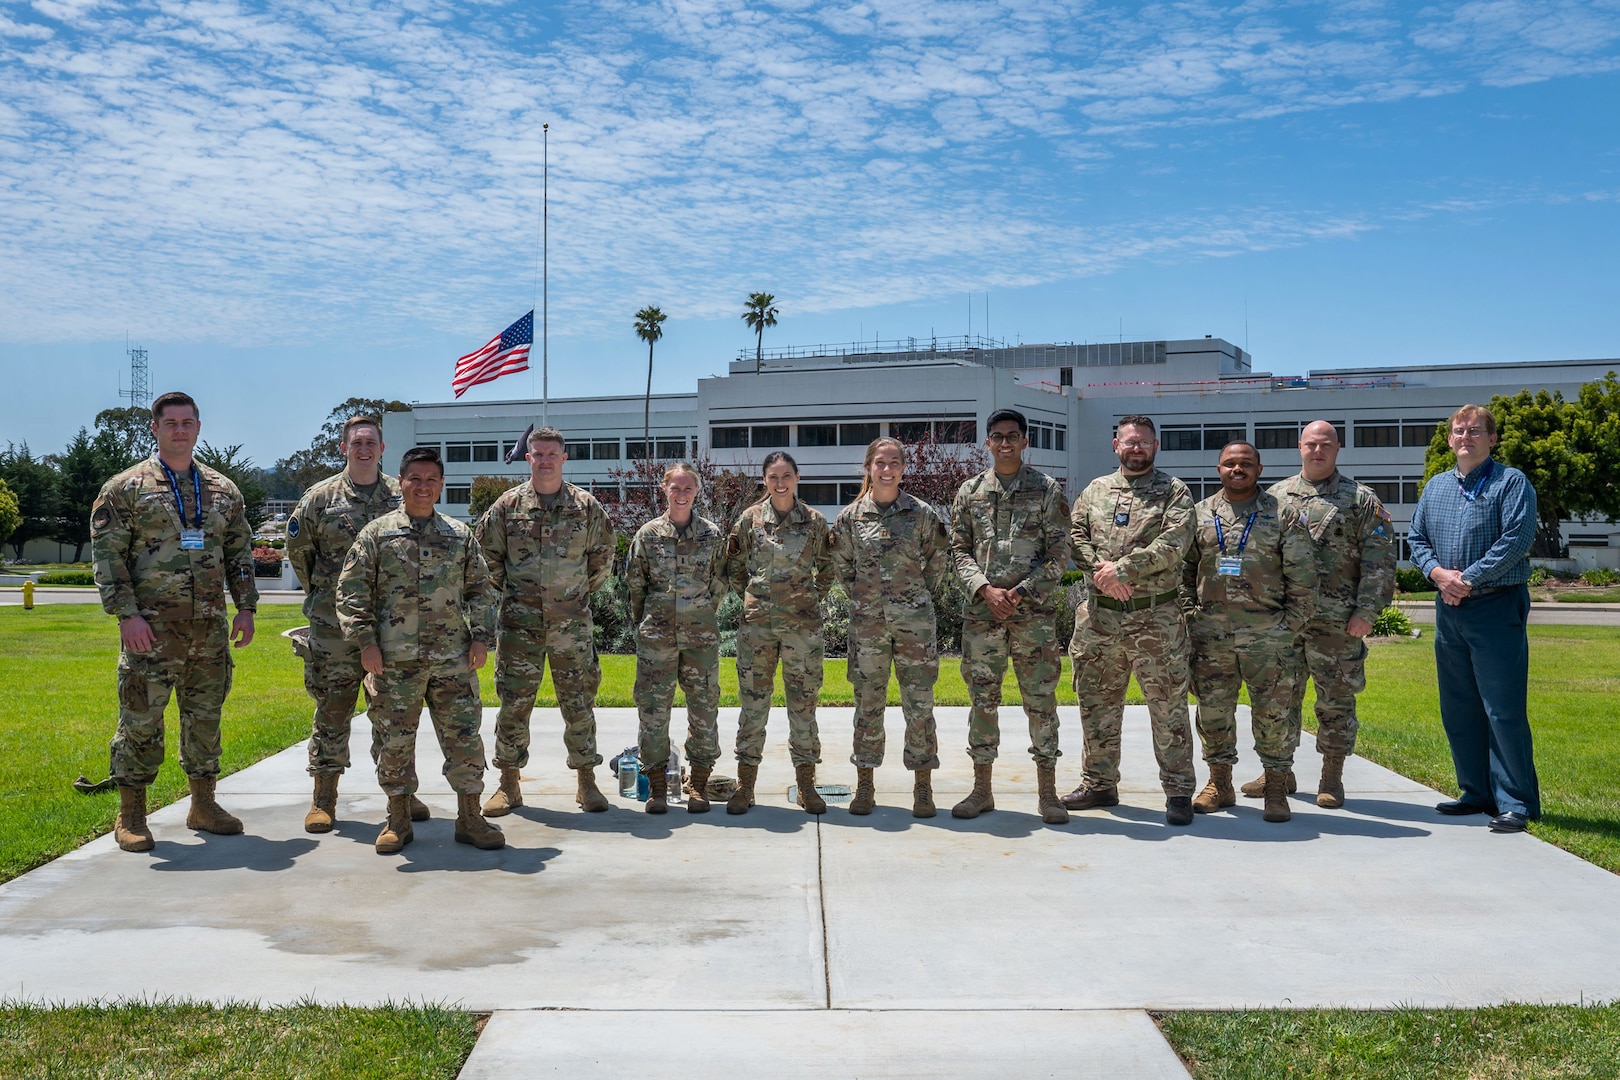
(520, 666)
(333, 677)
(450, 692)
(1269, 661)
(1031, 644)
(760, 645)
(659, 666)
(1336, 661)
(914, 653)
(1107, 646)
(192, 660)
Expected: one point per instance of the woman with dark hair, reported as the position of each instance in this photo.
(779, 560)
(891, 553)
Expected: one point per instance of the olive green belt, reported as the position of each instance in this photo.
(1135, 603)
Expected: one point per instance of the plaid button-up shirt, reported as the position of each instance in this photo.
(1482, 524)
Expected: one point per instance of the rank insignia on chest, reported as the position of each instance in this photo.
(1123, 517)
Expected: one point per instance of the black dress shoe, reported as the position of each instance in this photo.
(1462, 808)
(1511, 821)
(1178, 810)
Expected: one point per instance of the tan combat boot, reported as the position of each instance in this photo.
(396, 832)
(1256, 788)
(205, 814)
(743, 797)
(865, 794)
(1047, 801)
(697, 795)
(658, 789)
(1330, 789)
(1276, 794)
(1218, 793)
(979, 800)
(471, 828)
(809, 797)
(129, 827)
(419, 809)
(588, 796)
(507, 797)
(323, 808)
(922, 794)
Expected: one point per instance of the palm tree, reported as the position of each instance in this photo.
(649, 328)
(758, 313)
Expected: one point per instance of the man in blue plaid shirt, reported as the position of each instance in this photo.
(1470, 536)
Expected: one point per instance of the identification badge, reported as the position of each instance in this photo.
(1230, 566)
(1122, 518)
(191, 539)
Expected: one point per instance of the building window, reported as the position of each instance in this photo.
(770, 435)
(1387, 488)
(635, 449)
(909, 431)
(1181, 438)
(819, 493)
(670, 449)
(857, 434)
(486, 451)
(1041, 435)
(604, 449)
(427, 446)
(1404, 553)
(1588, 540)
(458, 494)
(1418, 433)
(458, 451)
(605, 491)
(506, 450)
(957, 432)
(1066, 376)
(728, 438)
(818, 434)
(1060, 439)
(578, 451)
(1378, 435)
(1409, 491)
(1216, 438)
(849, 491)
(1275, 436)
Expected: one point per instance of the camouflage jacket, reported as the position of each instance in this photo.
(546, 561)
(1276, 588)
(418, 590)
(1355, 548)
(1007, 534)
(677, 578)
(320, 530)
(140, 567)
(891, 558)
(780, 563)
(1141, 524)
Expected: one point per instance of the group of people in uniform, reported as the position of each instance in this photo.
(1263, 588)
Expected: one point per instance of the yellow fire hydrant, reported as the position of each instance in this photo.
(28, 596)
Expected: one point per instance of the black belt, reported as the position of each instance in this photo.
(1135, 603)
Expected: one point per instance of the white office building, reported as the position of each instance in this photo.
(824, 404)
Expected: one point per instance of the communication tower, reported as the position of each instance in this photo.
(139, 392)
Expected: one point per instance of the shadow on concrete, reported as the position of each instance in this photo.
(436, 850)
(245, 852)
(643, 826)
(1011, 824)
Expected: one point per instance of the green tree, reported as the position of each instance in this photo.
(33, 482)
(131, 427)
(485, 490)
(9, 517)
(759, 312)
(324, 457)
(649, 328)
(1569, 451)
(242, 472)
(81, 470)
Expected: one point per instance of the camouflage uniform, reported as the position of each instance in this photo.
(1144, 525)
(419, 591)
(1245, 628)
(781, 565)
(890, 559)
(677, 578)
(547, 554)
(1005, 533)
(319, 532)
(141, 569)
(1355, 575)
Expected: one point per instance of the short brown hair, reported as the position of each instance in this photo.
(360, 421)
(547, 434)
(1137, 420)
(1474, 410)
(174, 397)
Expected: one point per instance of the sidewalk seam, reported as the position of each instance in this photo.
(821, 903)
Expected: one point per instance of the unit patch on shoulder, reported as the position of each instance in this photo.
(102, 517)
(292, 527)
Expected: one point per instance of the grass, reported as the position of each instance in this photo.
(184, 1039)
(1588, 596)
(1507, 1042)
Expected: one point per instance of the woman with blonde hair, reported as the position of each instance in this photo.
(891, 552)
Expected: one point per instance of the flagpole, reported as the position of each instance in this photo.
(545, 277)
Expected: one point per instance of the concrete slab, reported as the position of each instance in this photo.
(824, 1045)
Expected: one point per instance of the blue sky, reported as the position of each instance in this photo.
(292, 202)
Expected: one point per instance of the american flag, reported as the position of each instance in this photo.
(506, 352)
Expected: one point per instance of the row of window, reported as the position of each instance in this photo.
(1273, 435)
(577, 450)
(770, 436)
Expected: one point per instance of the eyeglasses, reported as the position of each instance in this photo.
(1004, 439)
(1469, 433)
(1134, 445)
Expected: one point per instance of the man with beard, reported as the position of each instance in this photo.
(1130, 531)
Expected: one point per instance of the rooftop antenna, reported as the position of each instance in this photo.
(140, 391)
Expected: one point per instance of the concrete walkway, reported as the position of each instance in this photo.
(774, 944)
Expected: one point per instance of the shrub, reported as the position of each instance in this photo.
(1600, 576)
(1411, 579)
(1539, 576)
(67, 577)
(266, 561)
(1392, 622)
(610, 617)
(835, 622)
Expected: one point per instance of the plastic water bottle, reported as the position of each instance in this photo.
(629, 771)
(672, 777)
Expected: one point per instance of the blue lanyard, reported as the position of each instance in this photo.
(1479, 488)
(174, 485)
(1220, 533)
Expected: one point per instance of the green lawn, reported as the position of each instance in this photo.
(173, 1040)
